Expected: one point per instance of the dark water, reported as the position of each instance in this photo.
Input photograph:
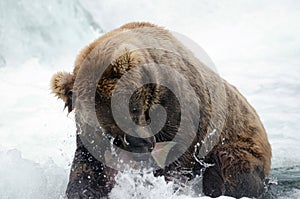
(284, 183)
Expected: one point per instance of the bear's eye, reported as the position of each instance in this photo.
(134, 111)
(118, 141)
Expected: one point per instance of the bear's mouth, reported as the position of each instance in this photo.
(135, 144)
(133, 150)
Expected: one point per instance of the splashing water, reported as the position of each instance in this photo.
(133, 184)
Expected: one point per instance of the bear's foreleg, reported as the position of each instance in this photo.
(235, 172)
(89, 178)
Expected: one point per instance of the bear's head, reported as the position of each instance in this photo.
(129, 77)
(143, 102)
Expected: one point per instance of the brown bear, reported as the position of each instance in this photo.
(207, 127)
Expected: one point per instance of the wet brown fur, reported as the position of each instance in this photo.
(241, 159)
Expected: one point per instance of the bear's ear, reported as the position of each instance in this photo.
(62, 86)
(126, 60)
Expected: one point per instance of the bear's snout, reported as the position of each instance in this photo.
(139, 145)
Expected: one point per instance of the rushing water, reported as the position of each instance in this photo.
(258, 55)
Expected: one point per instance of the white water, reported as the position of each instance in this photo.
(255, 46)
